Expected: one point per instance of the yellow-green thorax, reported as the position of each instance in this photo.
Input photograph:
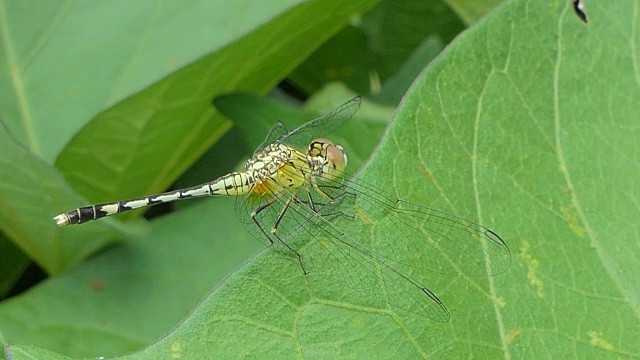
(280, 168)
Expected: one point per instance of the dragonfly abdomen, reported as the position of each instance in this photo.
(232, 184)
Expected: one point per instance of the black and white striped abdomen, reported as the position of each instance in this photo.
(233, 184)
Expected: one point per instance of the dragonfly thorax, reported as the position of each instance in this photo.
(279, 167)
(268, 161)
(276, 168)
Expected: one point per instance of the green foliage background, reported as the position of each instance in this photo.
(526, 122)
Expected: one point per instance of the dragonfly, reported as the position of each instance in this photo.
(304, 205)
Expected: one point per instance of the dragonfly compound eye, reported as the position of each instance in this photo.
(334, 154)
(337, 157)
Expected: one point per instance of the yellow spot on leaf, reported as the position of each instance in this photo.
(598, 340)
(514, 334)
(532, 268)
(569, 215)
(175, 350)
(427, 172)
(364, 217)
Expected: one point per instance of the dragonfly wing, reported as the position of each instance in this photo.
(335, 256)
(301, 136)
(327, 253)
(277, 131)
(468, 247)
(431, 239)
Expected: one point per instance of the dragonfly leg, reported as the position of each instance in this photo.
(274, 229)
(332, 200)
(327, 195)
(316, 206)
(254, 217)
(311, 203)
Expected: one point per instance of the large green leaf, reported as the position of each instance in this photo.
(527, 124)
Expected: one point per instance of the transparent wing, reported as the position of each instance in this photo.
(309, 239)
(278, 130)
(332, 235)
(301, 136)
(334, 255)
(431, 239)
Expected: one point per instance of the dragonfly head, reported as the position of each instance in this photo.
(334, 155)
